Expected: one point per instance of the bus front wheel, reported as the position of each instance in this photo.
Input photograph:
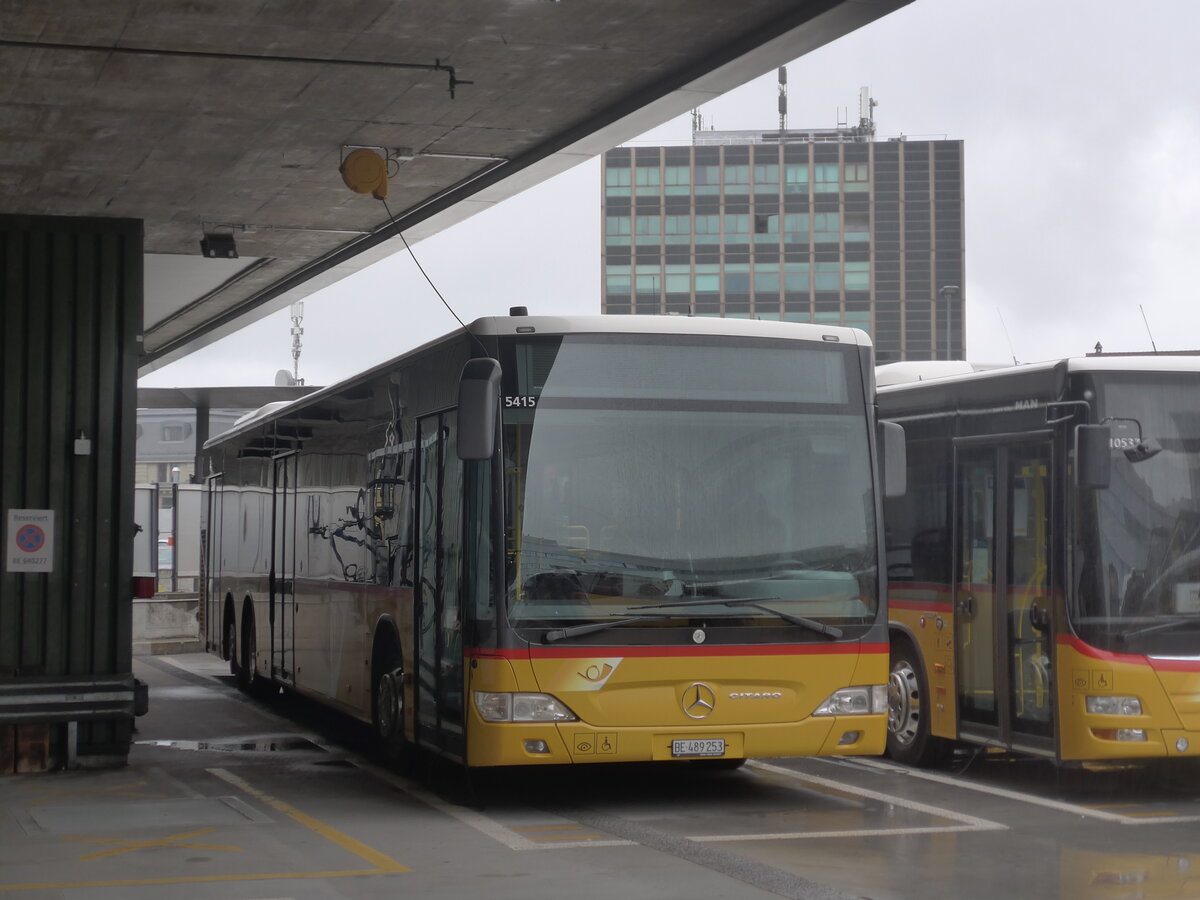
(246, 655)
(909, 740)
(249, 681)
(229, 648)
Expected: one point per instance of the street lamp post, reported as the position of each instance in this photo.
(947, 292)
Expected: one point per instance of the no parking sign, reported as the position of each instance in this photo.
(30, 543)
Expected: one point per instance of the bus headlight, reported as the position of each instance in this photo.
(495, 706)
(855, 701)
(1114, 706)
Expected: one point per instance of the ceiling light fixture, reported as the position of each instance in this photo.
(218, 246)
(365, 171)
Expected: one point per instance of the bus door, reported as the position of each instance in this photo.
(1002, 600)
(439, 611)
(283, 568)
(211, 599)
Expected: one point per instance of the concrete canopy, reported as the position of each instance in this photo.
(233, 118)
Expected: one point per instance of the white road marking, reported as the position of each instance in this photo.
(965, 822)
(1058, 805)
(504, 835)
(864, 832)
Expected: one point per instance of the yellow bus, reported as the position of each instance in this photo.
(551, 540)
(1044, 565)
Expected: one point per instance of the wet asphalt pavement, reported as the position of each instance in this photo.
(228, 797)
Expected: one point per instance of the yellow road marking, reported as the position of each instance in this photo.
(129, 846)
(1150, 815)
(50, 795)
(358, 848)
(194, 879)
(384, 865)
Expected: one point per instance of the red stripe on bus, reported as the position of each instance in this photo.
(1137, 659)
(591, 652)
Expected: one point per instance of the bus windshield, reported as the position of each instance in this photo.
(652, 482)
(1141, 593)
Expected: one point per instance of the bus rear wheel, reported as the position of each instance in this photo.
(909, 740)
(387, 711)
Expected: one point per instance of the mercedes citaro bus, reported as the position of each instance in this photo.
(1044, 565)
(550, 540)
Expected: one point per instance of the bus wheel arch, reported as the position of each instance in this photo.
(909, 739)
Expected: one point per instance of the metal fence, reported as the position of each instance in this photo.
(167, 546)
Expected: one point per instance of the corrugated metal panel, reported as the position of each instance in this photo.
(71, 306)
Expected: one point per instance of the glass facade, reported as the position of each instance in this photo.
(863, 234)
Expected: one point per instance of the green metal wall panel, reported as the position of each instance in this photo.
(71, 308)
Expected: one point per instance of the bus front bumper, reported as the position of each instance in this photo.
(523, 744)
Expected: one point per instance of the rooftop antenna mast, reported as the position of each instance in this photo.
(782, 101)
(1011, 351)
(1147, 323)
(866, 111)
(297, 318)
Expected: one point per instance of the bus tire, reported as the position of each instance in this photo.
(249, 681)
(721, 764)
(229, 646)
(909, 740)
(387, 703)
(245, 652)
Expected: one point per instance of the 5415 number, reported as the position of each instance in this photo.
(524, 401)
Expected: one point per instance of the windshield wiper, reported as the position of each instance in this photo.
(561, 634)
(1172, 622)
(758, 603)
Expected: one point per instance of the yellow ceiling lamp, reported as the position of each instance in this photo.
(365, 172)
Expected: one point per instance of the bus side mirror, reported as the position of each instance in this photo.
(893, 459)
(478, 403)
(1093, 456)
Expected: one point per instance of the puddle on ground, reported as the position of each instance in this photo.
(260, 745)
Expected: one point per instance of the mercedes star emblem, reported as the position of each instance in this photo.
(699, 700)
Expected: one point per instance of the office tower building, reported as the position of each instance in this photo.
(829, 226)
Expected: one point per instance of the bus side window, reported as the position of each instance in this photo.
(400, 551)
(931, 556)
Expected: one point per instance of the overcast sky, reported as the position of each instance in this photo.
(1081, 123)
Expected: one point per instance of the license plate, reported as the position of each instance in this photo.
(704, 747)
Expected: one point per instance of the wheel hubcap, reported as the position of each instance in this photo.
(904, 703)
(387, 702)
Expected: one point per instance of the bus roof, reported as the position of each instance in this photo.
(640, 324)
(902, 374)
(496, 326)
(920, 391)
